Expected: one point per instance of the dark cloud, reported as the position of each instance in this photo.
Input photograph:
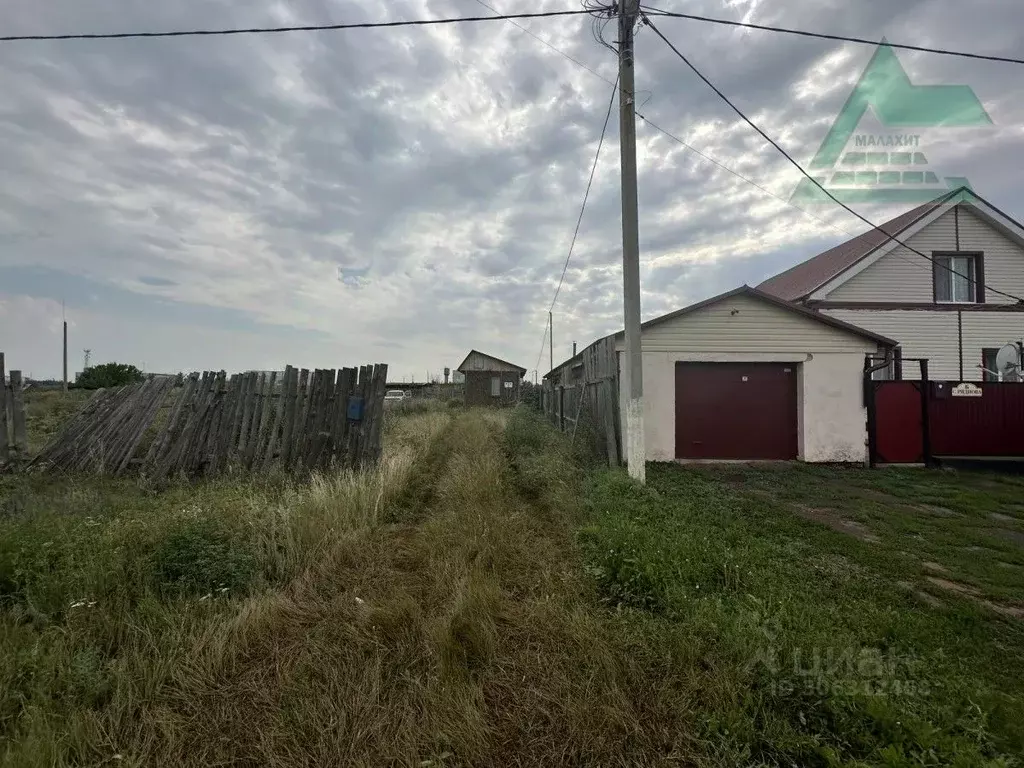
(414, 191)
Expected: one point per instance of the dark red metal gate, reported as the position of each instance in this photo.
(914, 422)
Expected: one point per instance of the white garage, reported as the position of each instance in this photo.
(747, 376)
(743, 376)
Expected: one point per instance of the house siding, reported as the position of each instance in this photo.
(903, 276)
(831, 419)
(933, 334)
(744, 324)
(478, 388)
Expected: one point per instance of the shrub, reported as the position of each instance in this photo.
(202, 557)
(109, 375)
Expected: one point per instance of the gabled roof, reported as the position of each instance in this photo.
(754, 293)
(801, 281)
(757, 293)
(489, 357)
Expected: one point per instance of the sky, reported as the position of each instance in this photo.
(405, 195)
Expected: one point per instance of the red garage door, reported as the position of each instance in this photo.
(736, 411)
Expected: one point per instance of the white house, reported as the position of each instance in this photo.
(744, 376)
(956, 305)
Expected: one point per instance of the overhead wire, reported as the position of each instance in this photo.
(649, 10)
(294, 28)
(766, 137)
(583, 206)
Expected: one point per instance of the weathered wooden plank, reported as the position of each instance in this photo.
(145, 421)
(357, 428)
(608, 418)
(236, 419)
(172, 461)
(69, 434)
(318, 418)
(175, 424)
(120, 441)
(339, 429)
(195, 455)
(301, 409)
(210, 458)
(248, 403)
(378, 397)
(101, 441)
(290, 411)
(5, 438)
(75, 435)
(18, 416)
(273, 440)
(257, 446)
(227, 421)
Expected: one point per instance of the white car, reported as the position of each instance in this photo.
(393, 396)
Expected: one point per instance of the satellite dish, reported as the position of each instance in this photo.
(1008, 362)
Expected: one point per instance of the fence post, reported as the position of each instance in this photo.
(4, 439)
(18, 416)
(561, 409)
(926, 430)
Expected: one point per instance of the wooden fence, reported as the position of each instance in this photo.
(208, 424)
(13, 435)
(581, 397)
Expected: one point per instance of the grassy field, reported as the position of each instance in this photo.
(487, 598)
(825, 617)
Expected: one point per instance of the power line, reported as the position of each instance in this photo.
(800, 168)
(302, 28)
(586, 194)
(540, 354)
(670, 135)
(738, 175)
(583, 208)
(826, 36)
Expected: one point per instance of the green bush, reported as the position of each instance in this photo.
(109, 375)
(202, 558)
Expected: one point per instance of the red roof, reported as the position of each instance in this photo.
(801, 281)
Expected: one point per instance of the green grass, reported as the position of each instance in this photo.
(47, 411)
(486, 598)
(804, 645)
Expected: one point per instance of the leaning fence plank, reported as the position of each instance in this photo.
(144, 422)
(317, 413)
(121, 441)
(378, 390)
(175, 424)
(339, 432)
(210, 457)
(607, 411)
(301, 406)
(78, 424)
(257, 445)
(18, 416)
(290, 408)
(172, 461)
(251, 387)
(4, 435)
(274, 440)
(193, 458)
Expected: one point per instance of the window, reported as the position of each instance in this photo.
(989, 370)
(495, 386)
(956, 277)
(988, 364)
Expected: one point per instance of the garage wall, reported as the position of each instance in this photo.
(831, 416)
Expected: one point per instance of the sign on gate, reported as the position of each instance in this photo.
(966, 389)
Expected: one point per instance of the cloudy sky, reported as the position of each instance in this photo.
(335, 198)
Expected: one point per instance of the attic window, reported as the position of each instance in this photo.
(957, 277)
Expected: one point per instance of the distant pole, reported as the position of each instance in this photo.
(635, 449)
(65, 356)
(551, 343)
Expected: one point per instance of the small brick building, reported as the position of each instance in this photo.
(490, 381)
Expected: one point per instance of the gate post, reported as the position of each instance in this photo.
(926, 433)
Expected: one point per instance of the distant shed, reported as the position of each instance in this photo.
(490, 380)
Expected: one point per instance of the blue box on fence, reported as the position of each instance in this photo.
(355, 409)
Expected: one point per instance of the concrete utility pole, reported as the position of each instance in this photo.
(65, 356)
(633, 363)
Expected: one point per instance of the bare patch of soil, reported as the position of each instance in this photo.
(935, 567)
(1001, 518)
(1017, 537)
(833, 520)
(973, 594)
(931, 509)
